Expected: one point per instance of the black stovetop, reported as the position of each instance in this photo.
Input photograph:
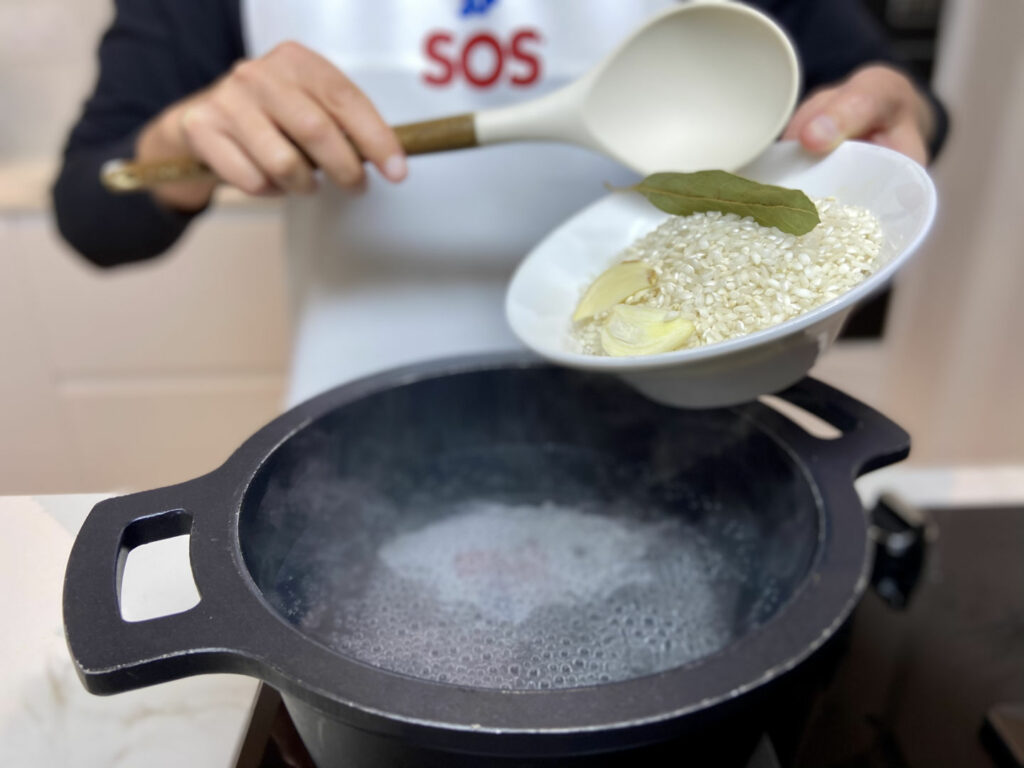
(913, 686)
(916, 685)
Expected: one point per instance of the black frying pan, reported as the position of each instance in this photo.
(341, 483)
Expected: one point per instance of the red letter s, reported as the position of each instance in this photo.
(532, 61)
(432, 49)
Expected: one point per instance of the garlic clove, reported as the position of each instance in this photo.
(636, 330)
(613, 286)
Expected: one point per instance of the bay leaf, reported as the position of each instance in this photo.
(681, 194)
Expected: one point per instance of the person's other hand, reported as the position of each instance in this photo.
(263, 125)
(878, 104)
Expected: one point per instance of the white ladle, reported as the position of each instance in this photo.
(707, 84)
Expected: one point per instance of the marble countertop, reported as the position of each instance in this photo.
(48, 719)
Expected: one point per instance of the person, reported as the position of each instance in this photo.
(388, 273)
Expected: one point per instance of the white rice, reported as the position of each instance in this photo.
(732, 276)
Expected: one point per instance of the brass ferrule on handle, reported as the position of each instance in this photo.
(133, 176)
(441, 135)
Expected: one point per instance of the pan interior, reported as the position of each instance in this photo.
(527, 529)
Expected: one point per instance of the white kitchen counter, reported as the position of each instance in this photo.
(48, 719)
(46, 716)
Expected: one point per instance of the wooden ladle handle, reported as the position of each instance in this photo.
(442, 134)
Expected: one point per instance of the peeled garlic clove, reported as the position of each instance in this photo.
(612, 286)
(637, 330)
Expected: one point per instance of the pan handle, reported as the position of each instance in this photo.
(868, 441)
(113, 655)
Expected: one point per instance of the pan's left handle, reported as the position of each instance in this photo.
(112, 654)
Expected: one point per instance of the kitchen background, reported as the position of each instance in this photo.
(153, 373)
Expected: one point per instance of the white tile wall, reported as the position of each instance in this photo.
(34, 451)
(134, 378)
(214, 303)
(128, 433)
(47, 68)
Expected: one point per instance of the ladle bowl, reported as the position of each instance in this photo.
(708, 84)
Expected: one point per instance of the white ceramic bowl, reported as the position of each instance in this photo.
(546, 287)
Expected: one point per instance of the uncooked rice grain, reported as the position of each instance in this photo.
(731, 276)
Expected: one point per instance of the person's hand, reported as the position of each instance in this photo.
(262, 125)
(877, 104)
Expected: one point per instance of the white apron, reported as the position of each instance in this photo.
(404, 273)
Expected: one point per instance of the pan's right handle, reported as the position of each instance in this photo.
(868, 441)
(112, 654)
(440, 135)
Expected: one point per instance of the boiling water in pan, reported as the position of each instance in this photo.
(527, 529)
(536, 597)
(523, 596)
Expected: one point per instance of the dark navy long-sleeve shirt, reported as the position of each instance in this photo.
(157, 52)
